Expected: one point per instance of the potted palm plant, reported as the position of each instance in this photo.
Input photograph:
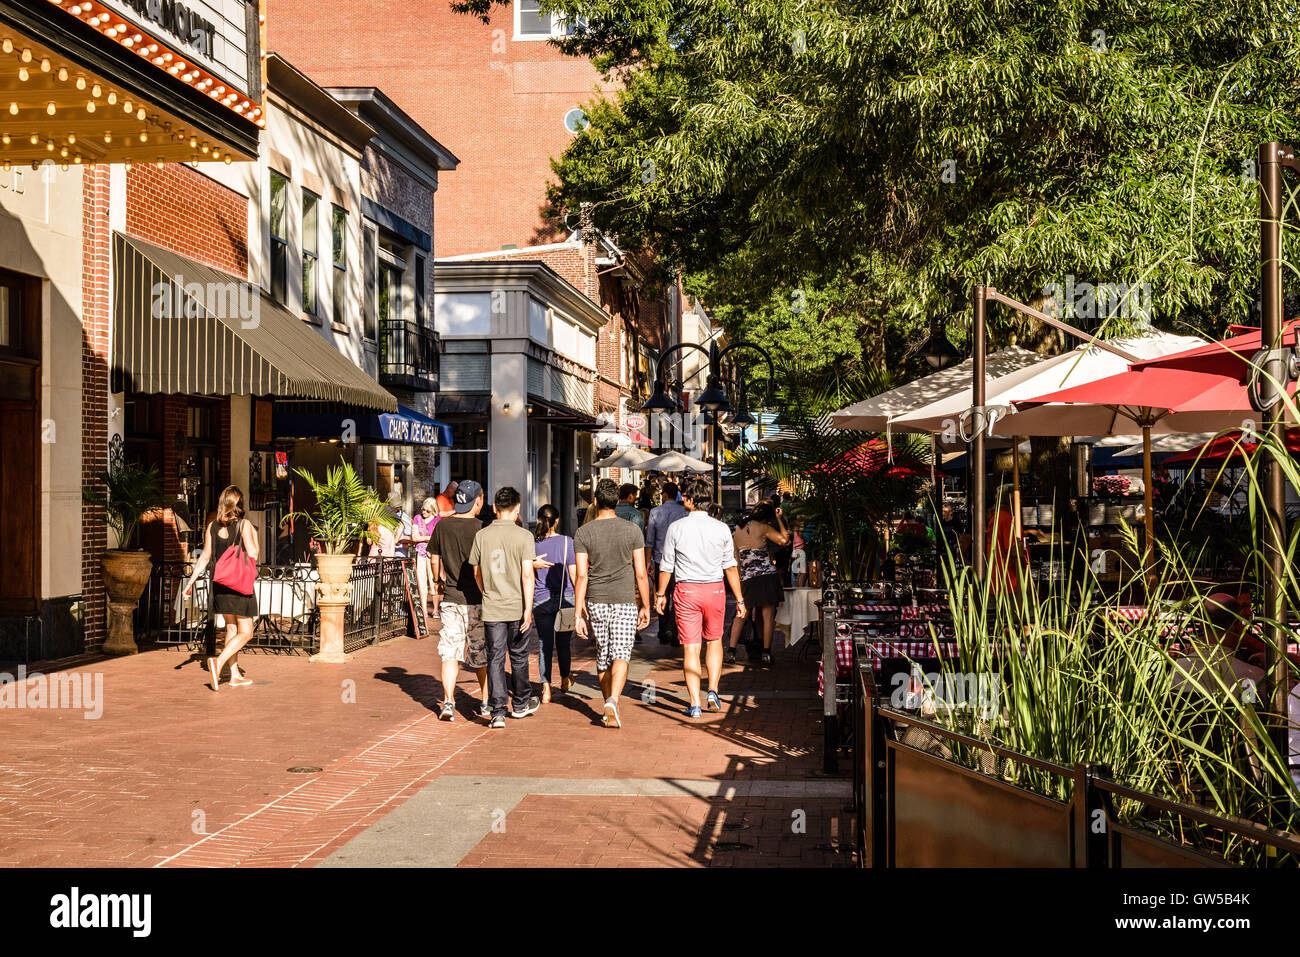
(128, 493)
(345, 510)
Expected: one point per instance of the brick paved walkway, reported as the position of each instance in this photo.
(174, 775)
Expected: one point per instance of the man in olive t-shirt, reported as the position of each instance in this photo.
(610, 553)
(502, 557)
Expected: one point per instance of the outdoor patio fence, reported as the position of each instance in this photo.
(917, 807)
(288, 619)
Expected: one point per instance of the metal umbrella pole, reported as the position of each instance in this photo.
(977, 485)
(1272, 532)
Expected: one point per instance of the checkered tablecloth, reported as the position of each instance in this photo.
(880, 649)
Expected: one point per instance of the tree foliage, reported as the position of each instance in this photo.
(882, 157)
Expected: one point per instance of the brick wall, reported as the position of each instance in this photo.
(496, 102)
(391, 186)
(180, 209)
(94, 394)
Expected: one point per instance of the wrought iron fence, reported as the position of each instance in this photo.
(378, 609)
(288, 621)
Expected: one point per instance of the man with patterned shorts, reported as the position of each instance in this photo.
(700, 553)
(610, 554)
(461, 638)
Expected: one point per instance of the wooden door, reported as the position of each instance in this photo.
(20, 444)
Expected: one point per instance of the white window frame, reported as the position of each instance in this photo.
(557, 27)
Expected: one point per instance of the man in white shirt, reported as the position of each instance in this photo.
(698, 551)
(662, 516)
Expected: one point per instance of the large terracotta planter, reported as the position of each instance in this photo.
(126, 573)
(332, 597)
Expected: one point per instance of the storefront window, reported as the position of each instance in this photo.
(468, 457)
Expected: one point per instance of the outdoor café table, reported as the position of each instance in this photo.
(801, 606)
(287, 602)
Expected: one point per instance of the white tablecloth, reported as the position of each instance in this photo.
(798, 609)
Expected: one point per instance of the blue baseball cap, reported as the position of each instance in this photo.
(467, 492)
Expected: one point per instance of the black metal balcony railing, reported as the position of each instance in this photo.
(408, 355)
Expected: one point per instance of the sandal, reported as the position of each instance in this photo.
(216, 675)
(566, 683)
(546, 693)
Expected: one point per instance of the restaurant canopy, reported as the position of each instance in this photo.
(879, 412)
(403, 427)
(180, 326)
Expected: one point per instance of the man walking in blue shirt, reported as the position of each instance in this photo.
(661, 517)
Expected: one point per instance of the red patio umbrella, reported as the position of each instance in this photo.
(1226, 447)
(867, 459)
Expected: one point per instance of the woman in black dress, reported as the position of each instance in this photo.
(238, 611)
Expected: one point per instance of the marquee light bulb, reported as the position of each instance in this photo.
(4, 139)
(96, 91)
(81, 83)
(108, 137)
(35, 139)
(63, 74)
(26, 55)
(90, 106)
(72, 138)
(50, 108)
(45, 64)
(23, 74)
(7, 45)
(13, 109)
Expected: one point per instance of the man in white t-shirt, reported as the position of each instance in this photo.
(699, 553)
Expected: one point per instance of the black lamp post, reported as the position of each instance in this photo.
(713, 399)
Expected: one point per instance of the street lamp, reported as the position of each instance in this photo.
(714, 397)
(939, 352)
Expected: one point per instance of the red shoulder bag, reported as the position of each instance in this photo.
(236, 569)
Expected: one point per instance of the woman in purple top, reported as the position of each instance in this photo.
(421, 532)
(556, 566)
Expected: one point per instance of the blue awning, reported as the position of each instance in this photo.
(403, 427)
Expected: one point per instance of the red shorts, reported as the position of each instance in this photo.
(701, 611)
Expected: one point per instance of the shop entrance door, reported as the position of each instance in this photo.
(20, 443)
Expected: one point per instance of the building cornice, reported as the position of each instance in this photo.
(534, 276)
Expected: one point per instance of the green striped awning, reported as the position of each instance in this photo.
(182, 327)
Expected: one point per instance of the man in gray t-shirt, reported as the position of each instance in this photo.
(610, 554)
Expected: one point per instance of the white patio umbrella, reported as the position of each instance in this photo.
(1087, 363)
(632, 457)
(1172, 442)
(878, 413)
(674, 462)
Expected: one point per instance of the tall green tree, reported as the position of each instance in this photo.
(881, 157)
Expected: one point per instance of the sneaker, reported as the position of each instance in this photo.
(533, 704)
(729, 656)
(611, 715)
(485, 711)
(693, 711)
(448, 712)
(498, 722)
(712, 703)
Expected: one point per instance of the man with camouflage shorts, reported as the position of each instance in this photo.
(461, 638)
(610, 554)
